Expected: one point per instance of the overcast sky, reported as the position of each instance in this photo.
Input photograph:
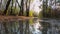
(35, 5)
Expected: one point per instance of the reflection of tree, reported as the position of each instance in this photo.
(45, 25)
(31, 25)
(56, 26)
(5, 27)
(27, 27)
(11, 8)
(21, 26)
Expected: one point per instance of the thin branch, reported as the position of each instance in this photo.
(18, 3)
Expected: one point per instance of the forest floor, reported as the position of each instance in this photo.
(14, 17)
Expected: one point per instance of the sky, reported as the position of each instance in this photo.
(35, 6)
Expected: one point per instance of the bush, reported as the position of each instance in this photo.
(31, 13)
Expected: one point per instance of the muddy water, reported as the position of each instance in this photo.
(30, 26)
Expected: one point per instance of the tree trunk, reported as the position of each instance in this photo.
(18, 3)
(7, 5)
(11, 8)
(21, 8)
(27, 7)
(1, 4)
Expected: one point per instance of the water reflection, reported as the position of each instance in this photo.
(30, 26)
(35, 27)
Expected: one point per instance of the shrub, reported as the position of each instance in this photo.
(31, 13)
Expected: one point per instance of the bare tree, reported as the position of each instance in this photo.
(27, 27)
(27, 7)
(7, 5)
(18, 3)
(5, 27)
(11, 8)
(21, 8)
(21, 26)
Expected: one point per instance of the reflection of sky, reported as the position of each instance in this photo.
(35, 28)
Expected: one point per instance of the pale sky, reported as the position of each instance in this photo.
(35, 6)
(36, 3)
